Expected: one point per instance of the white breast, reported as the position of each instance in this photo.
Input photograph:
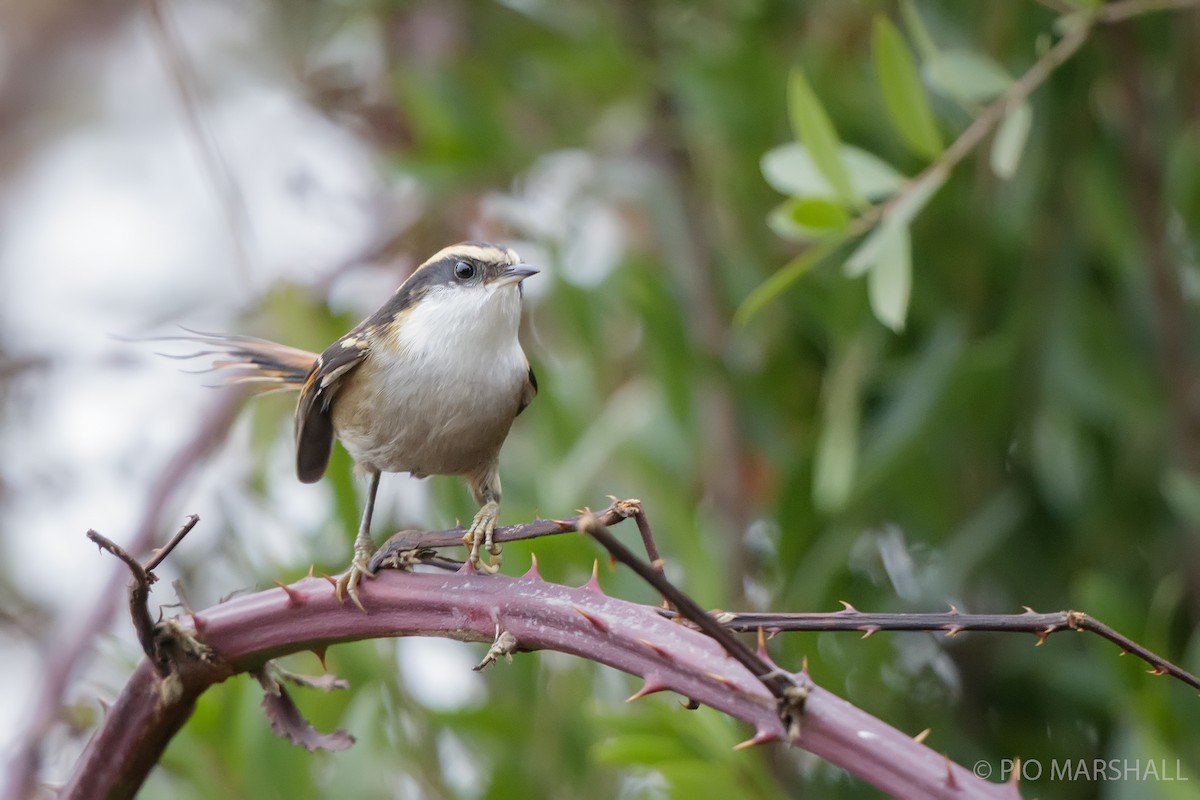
(440, 396)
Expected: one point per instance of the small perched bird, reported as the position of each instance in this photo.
(429, 384)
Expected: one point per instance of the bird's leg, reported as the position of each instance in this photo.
(485, 487)
(364, 547)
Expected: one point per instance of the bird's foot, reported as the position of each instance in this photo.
(480, 534)
(347, 582)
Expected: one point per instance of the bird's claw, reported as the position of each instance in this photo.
(347, 582)
(480, 534)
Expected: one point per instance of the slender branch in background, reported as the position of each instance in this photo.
(687, 232)
(229, 196)
(1142, 156)
(941, 167)
(64, 662)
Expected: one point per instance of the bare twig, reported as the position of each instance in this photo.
(788, 689)
(139, 592)
(951, 623)
(166, 549)
(393, 552)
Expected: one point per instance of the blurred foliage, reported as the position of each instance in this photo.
(1007, 437)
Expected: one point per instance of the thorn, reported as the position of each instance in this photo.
(311, 567)
(951, 781)
(1028, 610)
(953, 609)
(869, 631)
(658, 651)
(1158, 670)
(762, 647)
(922, 736)
(532, 573)
(104, 706)
(804, 668)
(652, 685)
(467, 568)
(721, 679)
(1123, 652)
(847, 608)
(597, 623)
(690, 705)
(294, 597)
(319, 652)
(760, 737)
(593, 582)
(332, 582)
(198, 622)
(952, 630)
(1042, 635)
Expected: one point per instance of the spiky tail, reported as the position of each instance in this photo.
(263, 365)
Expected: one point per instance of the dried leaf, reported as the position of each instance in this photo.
(288, 723)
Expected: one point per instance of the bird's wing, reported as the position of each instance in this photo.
(528, 392)
(314, 420)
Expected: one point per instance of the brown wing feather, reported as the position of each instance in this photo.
(528, 393)
(314, 419)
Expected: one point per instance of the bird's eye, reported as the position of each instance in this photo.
(464, 271)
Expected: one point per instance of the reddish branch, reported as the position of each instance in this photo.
(526, 614)
(246, 632)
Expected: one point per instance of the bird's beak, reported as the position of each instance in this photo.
(516, 273)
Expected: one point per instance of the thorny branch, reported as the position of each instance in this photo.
(245, 633)
(526, 614)
(951, 623)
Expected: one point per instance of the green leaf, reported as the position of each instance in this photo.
(835, 460)
(806, 219)
(790, 169)
(918, 31)
(902, 212)
(903, 95)
(788, 274)
(1010, 140)
(865, 255)
(966, 76)
(889, 283)
(812, 126)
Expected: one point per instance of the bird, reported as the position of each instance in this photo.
(429, 384)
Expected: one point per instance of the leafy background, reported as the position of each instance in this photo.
(995, 406)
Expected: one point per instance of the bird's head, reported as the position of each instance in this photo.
(467, 290)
